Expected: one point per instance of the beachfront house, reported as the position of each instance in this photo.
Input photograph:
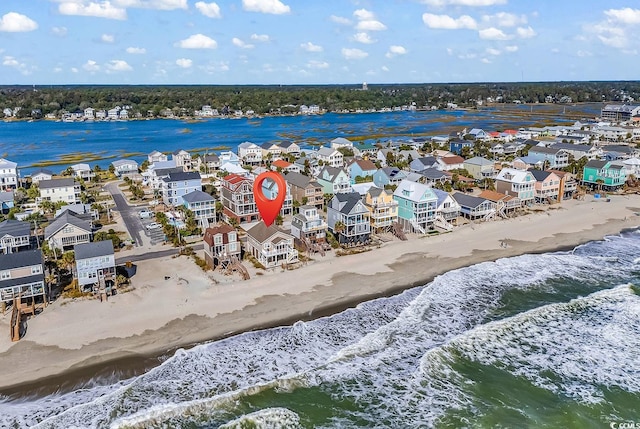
(250, 153)
(8, 174)
(202, 205)
(568, 184)
(182, 159)
(41, 174)
(305, 190)
(547, 186)
(361, 168)
(604, 175)
(67, 230)
(334, 180)
(517, 183)
(388, 176)
(22, 276)
(383, 209)
(157, 156)
(480, 168)
(82, 171)
(270, 191)
(348, 219)
(505, 204)
(330, 157)
(308, 226)
(95, 265)
(125, 168)
(221, 246)
(238, 199)
(447, 210)
(65, 190)
(417, 205)
(551, 157)
(271, 246)
(473, 207)
(15, 235)
(176, 185)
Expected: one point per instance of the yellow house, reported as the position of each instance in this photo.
(382, 207)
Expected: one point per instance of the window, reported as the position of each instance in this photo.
(36, 269)
(4, 275)
(217, 239)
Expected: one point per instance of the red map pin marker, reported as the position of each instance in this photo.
(269, 209)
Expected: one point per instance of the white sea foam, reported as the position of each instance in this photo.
(280, 418)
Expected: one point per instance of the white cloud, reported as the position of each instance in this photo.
(492, 33)
(363, 38)
(340, 20)
(185, 63)
(134, 50)
(354, 54)
(395, 50)
(504, 19)
(370, 25)
(91, 66)
(493, 51)
(275, 7)
(13, 22)
(525, 33)
(197, 41)
(440, 3)
(625, 16)
(108, 38)
(448, 23)
(212, 10)
(486, 60)
(260, 37)
(363, 15)
(59, 31)
(98, 10)
(57, 69)
(384, 68)
(467, 56)
(10, 62)
(511, 48)
(153, 4)
(313, 64)
(310, 47)
(240, 44)
(118, 66)
(74, 70)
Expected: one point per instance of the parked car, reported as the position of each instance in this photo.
(145, 214)
(153, 225)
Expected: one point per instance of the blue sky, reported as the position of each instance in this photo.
(316, 42)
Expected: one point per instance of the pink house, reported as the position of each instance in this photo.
(547, 186)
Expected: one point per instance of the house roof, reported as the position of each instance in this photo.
(268, 145)
(281, 163)
(350, 200)
(247, 145)
(234, 179)
(57, 183)
(375, 191)
(518, 176)
(341, 141)
(14, 228)
(160, 172)
(333, 172)
(364, 164)
(80, 167)
(286, 145)
(546, 150)
(494, 196)
(413, 191)
(450, 160)
(572, 147)
(299, 180)
(183, 175)
(42, 171)
(210, 157)
(433, 174)
(261, 232)
(442, 196)
(68, 217)
(596, 163)
(117, 163)
(467, 200)
(392, 172)
(478, 160)
(197, 196)
(540, 175)
(155, 153)
(223, 229)
(4, 163)
(20, 259)
(6, 196)
(426, 160)
(93, 250)
(327, 151)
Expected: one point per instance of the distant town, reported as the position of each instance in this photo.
(60, 238)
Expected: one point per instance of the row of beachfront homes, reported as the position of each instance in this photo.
(22, 273)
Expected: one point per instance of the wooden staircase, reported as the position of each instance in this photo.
(396, 229)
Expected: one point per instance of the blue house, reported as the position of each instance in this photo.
(361, 168)
(388, 176)
(176, 185)
(417, 205)
(456, 146)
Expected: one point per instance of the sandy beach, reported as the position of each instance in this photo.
(190, 306)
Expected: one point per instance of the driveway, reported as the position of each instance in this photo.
(128, 213)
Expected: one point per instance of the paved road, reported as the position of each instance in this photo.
(128, 213)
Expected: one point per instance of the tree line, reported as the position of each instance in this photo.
(274, 99)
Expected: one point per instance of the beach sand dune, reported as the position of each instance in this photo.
(189, 307)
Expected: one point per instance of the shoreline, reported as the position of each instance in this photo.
(311, 292)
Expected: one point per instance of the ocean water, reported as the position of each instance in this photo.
(28, 143)
(540, 341)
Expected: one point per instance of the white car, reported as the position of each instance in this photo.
(153, 225)
(145, 214)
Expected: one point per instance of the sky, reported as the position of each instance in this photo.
(316, 41)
